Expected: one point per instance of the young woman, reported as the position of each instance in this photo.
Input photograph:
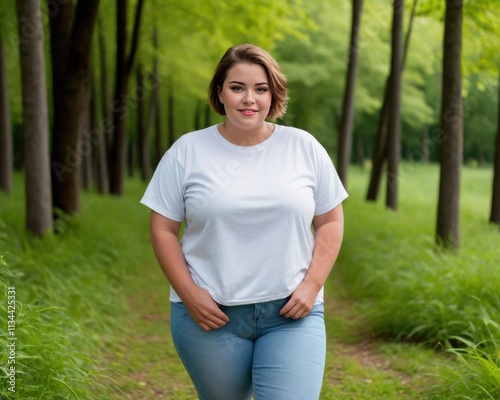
(247, 276)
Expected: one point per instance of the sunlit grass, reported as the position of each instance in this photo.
(407, 287)
(69, 293)
(92, 304)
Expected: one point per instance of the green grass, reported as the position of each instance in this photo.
(69, 294)
(405, 320)
(409, 289)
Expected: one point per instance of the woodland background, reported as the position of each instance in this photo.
(404, 95)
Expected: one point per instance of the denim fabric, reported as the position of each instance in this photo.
(258, 352)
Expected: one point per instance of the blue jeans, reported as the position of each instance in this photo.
(258, 352)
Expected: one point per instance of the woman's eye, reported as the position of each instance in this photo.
(262, 90)
(236, 88)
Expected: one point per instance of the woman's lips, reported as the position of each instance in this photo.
(248, 111)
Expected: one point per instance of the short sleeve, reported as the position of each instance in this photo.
(165, 192)
(329, 191)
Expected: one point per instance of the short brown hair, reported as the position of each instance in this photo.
(255, 55)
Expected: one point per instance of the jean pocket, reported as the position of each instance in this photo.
(180, 309)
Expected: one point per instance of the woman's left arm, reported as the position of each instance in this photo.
(329, 231)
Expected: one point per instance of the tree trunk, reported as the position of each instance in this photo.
(171, 113)
(142, 129)
(124, 64)
(394, 117)
(106, 104)
(71, 51)
(99, 161)
(495, 202)
(360, 152)
(154, 109)
(347, 119)
(447, 232)
(380, 148)
(86, 170)
(6, 158)
(380, 145)
(35, 118)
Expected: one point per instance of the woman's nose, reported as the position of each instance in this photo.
(249, 99)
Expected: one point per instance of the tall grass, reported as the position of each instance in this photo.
(408, 288)
(70, 287)
(476, 377)
(69, 294)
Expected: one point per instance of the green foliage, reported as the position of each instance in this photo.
(311, 40)
(410, 290)
(69, 294)
(478, 377)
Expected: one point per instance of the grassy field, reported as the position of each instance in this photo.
(405, 320)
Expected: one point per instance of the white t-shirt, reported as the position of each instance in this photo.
(248, 210)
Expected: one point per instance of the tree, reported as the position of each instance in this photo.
(495, 202)
(35, 117)
(394, 118)
(124, 65)
(99, 159)
(380, 145)
(347, 119)
(154, 106)
(447, 229)
(5, 127)
(142, 128)
(71, 37)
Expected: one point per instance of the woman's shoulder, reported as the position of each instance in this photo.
(192, 140)
(299, 135)
(190, 145)
(194, 137)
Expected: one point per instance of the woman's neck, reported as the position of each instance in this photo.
(242, 137)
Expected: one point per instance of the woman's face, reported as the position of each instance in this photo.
(246, 96)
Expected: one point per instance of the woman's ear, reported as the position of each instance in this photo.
(219, 91)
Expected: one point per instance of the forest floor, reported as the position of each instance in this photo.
(144, 364)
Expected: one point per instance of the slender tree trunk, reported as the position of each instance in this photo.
(106, 102)
(158, 129)
(99, 161)
(394, 117)
(143, 129)
(347, 119)
(380, 148)
(130, 158)
(154, 109)
(495, 202)
(35, 118)
(124, 64)
(360, 152)
(86, 170)
(171, 113)
(71, 53)
(6, 150)
(447, 232)
(120, 109)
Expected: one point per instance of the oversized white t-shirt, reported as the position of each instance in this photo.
(248, 210)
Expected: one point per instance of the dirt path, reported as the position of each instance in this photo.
(146, 365)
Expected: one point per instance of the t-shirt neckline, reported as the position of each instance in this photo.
(258, 146)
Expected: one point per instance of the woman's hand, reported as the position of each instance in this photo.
(302, 301)
(204, 310)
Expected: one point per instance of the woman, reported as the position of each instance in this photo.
(247, 276)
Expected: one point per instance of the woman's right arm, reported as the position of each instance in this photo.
(165, 240)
